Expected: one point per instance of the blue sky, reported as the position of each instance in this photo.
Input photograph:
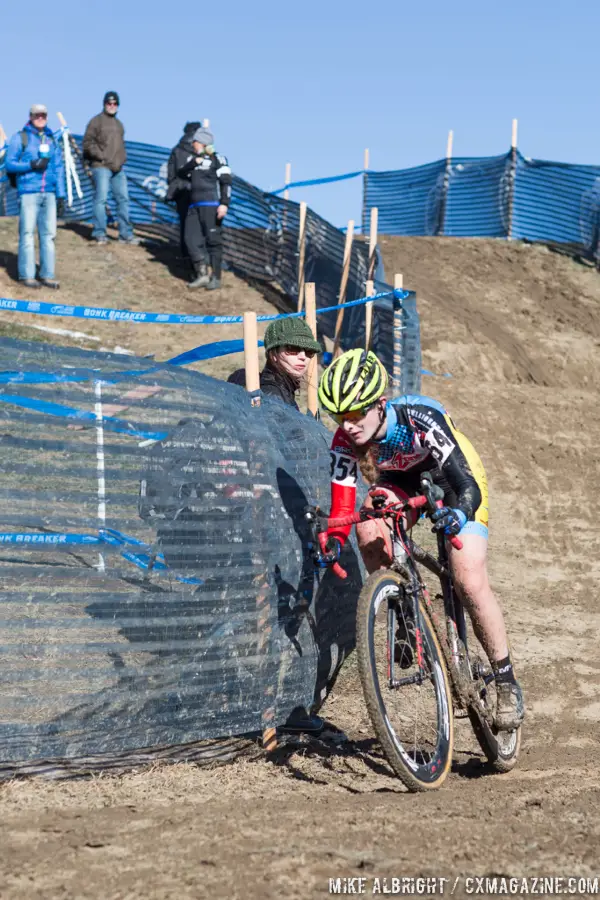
(314, 83)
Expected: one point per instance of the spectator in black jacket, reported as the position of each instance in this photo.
(210, 194)
(289, 345)
(179, 188)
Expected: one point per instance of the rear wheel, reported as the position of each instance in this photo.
(405, 683)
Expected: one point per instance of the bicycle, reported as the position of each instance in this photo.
(415, 666)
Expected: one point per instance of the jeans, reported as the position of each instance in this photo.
(37, 210)
(103, 178)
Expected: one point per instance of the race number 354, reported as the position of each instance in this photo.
(344, 469)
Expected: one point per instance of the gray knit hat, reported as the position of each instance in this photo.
(291, 332)
(204, 136)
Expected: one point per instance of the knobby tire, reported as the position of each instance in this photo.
(372, 592)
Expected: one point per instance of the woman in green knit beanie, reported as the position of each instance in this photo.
(289, 345)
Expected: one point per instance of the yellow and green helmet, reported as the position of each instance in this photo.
(355, 380)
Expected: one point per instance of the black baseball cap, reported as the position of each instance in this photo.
(111, 95)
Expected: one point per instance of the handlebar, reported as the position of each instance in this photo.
(321, 523)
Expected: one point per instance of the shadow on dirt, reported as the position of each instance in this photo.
(333, 752)
(9, 262)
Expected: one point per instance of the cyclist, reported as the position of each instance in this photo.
(393, 442)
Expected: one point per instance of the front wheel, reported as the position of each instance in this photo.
(404, 679)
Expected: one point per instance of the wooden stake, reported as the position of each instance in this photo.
(343, 287)
(512, 178)
(301, 255)
(441, 224)
(206, 123)
(373, 244)
(269, 732)
(288, 178)
(311, 321)
(397, 339)
(366, 159)
(369, 314)
(251, 355)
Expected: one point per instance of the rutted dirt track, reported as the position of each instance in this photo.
(519, 330)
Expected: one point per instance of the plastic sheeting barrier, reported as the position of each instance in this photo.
(199, 614)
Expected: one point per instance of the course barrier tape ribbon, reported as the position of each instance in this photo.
(329, 180)
(100, 313)
(110, 536)
(68, 412)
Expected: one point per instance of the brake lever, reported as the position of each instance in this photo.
(435, 500)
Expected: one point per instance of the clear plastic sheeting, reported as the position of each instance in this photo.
(156, 583)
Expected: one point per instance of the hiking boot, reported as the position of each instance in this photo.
(510, 709)
(133, 240)
(101, 239)
(50, 283)
(202, 278)
(214, 284)
(299, 722)
(30, 283)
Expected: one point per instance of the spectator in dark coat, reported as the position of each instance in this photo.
(179, 187)
(104, 148)
(210, 194)
(289, 345)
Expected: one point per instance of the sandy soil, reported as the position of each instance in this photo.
(518, 328)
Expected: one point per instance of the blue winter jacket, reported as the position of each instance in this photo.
(18, 160)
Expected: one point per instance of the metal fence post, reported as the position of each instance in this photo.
(343, 287)
(397, 339)
(364, 196)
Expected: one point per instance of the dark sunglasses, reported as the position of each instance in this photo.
(40, 116)
(111, 103)
(295, 351)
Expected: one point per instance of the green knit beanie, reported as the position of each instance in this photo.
(292, 332)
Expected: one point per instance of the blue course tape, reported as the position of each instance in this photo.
(55, 409)
(208, 351)
(435, 374)
(105, 536)
(126, 315)
(63, 539)
(295, 184)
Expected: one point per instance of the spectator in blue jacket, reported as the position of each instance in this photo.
(35, 160)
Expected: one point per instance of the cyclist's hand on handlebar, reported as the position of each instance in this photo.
(448, 520)
(331, 552)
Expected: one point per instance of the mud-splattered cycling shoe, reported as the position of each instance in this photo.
(510, 708)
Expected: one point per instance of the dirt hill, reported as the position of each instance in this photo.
(518, 328)
(146, 278)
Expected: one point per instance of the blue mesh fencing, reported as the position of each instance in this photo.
(477, 197)
(498, 196)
